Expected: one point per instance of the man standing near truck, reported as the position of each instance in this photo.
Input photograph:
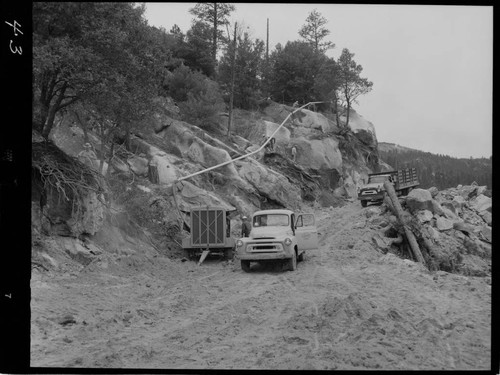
(246, 227)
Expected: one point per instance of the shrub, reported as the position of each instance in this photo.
(202, 108)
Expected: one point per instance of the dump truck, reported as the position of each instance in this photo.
(210, 233)
(404, 180)
(278, 235)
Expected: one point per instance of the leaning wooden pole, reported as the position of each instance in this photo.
(389, 188)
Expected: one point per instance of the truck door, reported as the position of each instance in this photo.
(306, 232)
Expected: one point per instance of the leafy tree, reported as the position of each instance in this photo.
(314, 32)
(327, 84)
(195, 51)
(202, 107)
(351, 84)
(103, 54)
(183, 81)
(216, 15)
(248, 65)
(176, 31)
(294, 69)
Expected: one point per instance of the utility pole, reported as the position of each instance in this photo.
(230, 120)
(267, 42)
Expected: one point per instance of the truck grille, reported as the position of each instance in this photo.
(265, 248)
(369, 192)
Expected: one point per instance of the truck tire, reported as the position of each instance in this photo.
(292, 263)
(302, 256)
(364, 203)
(245, 265)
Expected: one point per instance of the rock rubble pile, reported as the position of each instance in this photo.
(452, 227)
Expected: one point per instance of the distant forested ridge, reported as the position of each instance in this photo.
(441, 171)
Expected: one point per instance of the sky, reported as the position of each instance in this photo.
(431, 66)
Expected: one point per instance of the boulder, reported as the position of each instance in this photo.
(138, 165)
(434, 191)
(437, 209)
(305, 119)
(419, 199)
(167, 173)
(424, 216)
(481, 189)
(195, 149)
(270, 183)
(463, 227)
(448, 212)
(283, 135)
(459, 202)
(444, 224)
(91, 220)
(467, 191)
(486, 216)
(449, 206)
(362, 129)
(481, 203)
(321, 154)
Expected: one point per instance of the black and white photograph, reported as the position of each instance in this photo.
(259, 186)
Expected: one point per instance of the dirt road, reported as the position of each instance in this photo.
(346, 307)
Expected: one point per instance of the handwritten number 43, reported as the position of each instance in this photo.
(16, 30)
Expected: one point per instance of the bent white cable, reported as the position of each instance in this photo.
(249, 154)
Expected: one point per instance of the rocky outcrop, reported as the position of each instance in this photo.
(323, 154)
(362, 129)
(270, 183)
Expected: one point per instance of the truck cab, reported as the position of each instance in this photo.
(278, 235)
(404, 180)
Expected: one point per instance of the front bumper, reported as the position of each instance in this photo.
(372, 197)
(264, 251)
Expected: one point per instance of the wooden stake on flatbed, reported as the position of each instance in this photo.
(389, 188)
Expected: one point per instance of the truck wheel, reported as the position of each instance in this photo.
(302, 257)
(364, 203)
(245, 265)
(292, 263)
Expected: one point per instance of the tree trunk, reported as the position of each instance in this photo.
(336, 108)
(347, 114)
(389, 188)
(52, 113)
(214, 47)
(231, 99)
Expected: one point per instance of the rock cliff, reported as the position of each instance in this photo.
(330, 164)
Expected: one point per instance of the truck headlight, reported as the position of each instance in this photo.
(239, 243)
(288, 241)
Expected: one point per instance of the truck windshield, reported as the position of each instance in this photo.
(271, 220)
(382, 178)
